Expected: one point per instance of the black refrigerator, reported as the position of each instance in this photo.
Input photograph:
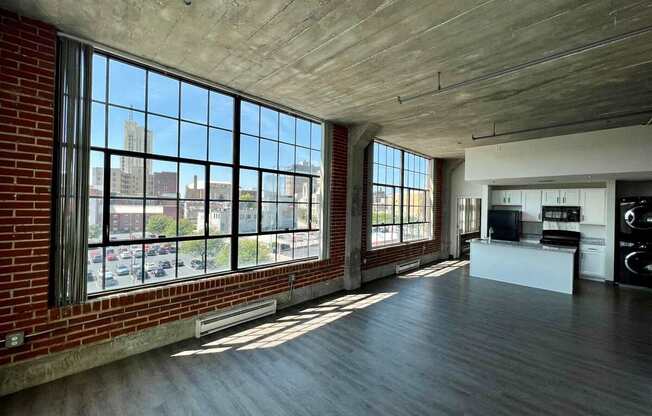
(504, 224)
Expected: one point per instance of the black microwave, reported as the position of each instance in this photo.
(561, 214)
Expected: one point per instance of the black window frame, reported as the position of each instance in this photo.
(401, 202)
(235, 166)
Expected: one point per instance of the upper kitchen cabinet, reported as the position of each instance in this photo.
(551, 197)
(509, 197)
(531, 205)
(566, 197)
(593, 204)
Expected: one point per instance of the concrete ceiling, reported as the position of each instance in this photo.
(347, 61)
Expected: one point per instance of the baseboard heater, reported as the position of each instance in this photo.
(400, 268)
(222, 320)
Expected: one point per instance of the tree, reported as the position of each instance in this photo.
(186, 227)
(94, 231)
(160, 224)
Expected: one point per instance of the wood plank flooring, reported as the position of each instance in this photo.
(432, 343)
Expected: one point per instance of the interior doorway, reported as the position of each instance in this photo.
(469, 212)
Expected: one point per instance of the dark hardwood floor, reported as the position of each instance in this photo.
(434, 342)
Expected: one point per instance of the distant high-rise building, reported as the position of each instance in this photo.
(132, 167)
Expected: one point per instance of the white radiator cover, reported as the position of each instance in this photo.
(226, 319)
(403, 267)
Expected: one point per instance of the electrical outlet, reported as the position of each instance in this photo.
(15, 339)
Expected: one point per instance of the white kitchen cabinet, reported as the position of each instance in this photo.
(569, 197)
(509, 197)
(592, 261)
(551, 197)
(593, 204)
(531, 205)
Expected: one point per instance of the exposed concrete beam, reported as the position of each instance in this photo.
(359, 138)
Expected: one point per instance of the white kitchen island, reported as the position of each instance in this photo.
(524, 263)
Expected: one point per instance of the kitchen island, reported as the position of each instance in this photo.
(524, 263)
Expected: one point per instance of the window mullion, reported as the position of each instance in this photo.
(235, 192)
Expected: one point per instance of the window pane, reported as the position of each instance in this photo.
(126, 129)
(96, 174)
(301, 217)
(162, 94)
(161, 178)
(99, 77)
(194, 103)
(315, 162)
(95, 211)
(316, 190)
(127, 176)
(192, 254)
(191, 181)
(269, 186)
(219, 220)
(126, 85)
(286, 157)
(193, 141)
(248, 185)
(218, 251)
(221, 110)
(301, 189)
(248, 217)
(95, 270)
(126, 221)
(285, 216)
(247, 251)
(286, 188)
(315, 216)
(98, 124)
(284, 247)
(191, 218)
(220, 146)
(221, 183)
(303, 132)
(301, 245)
(303, 160)
(249, 118)
(286, 130)
(314, 249)
(122, 269)
(269, 123)
(315, 136)
(162, 133)
(268, 154)
(266, 249)
(248, 150)
(268, 213)
(160, 218)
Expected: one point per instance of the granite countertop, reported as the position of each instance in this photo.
(584, 240)
(525, 244)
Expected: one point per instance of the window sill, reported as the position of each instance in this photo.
(224, 274)
(405, 243)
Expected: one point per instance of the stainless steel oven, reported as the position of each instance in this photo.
(561, 214)
(635, 219)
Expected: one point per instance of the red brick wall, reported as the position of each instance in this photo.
(406, 251)
(27, 53)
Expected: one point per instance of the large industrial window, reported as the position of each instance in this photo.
(186, 180)
(401, 206)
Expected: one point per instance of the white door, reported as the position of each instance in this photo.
(551, 197)
(531, 205)
(570, 197)
(513, 197)
(593, 206)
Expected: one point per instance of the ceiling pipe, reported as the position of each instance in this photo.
(520, 67)
(552, 126)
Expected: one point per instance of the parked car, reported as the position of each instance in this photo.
(125, 255)
(179, 263)
(152, 252)
(196, 264)
(163, 250)
(172, 249)
(136, 270)
(97, 259)
(90, 276)
(164, 264)
(111, 257)
(138, 253)
(150, 266)
(110, 282)
(122, 270)
(159, 272)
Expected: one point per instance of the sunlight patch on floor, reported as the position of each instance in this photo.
(435, 270)
(289, 327)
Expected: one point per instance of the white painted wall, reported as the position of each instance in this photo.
(603, 153)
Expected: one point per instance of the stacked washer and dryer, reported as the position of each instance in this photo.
(635, 241)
